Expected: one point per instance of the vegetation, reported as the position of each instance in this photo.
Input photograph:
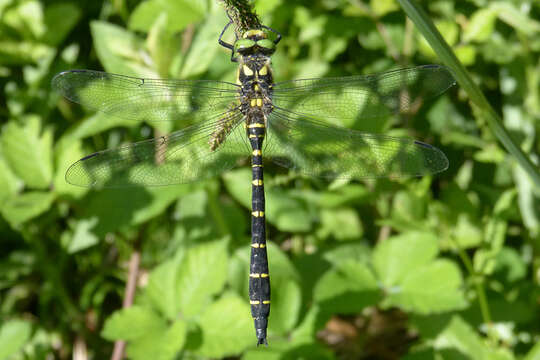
(439, 267)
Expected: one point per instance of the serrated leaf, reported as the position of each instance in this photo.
(28, 151)
(431, 288)
(395, 257)
(160, 345)
(202, 274)
(18, 209)
(132, 323)
(347, 289)
(13, 335)
(227, 328)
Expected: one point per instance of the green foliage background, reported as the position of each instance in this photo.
(443, 267)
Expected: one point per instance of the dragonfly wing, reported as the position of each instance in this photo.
(180, 157)
(145, 99)
(316, 149)
(367, 96)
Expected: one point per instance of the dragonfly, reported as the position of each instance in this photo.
(289, 123)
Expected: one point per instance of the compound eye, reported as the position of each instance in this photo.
(242, 45)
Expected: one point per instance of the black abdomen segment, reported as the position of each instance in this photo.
(259, 278)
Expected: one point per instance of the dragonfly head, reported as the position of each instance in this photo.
(254, 41)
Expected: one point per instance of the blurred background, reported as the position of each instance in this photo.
(439, 267)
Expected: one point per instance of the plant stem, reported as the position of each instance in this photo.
(443, 50)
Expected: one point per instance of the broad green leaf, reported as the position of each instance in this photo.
(461, 336)
(282, 210)
(286, 301)
(204, 47)
(534, 353)
(383, 7)
(66, 155)
(9, 184)
(202, 274)
(13, 335)
(117, 208)
(481, 25)
(431, 288)
(18, 209)
(132, 323)
(162, 44)
(341, 223)
(28, 151)
(347, 289)
(60, 18)
(183, 12)
(119, 50)
(161, 289)
(397, 256)
(83, 237)
(227, 328)
(508, 13)
(448, 29)
(163, 344)
(466, 54)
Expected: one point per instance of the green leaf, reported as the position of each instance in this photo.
(161, 289)
(202, 274)
(204, 47)
(342, 224)
(282, 210)
(163, 344)
(162, 44)
(83, 237)
(132, 323)
(119, 51)
(60, 18)
(183, 12)
(28, 151)
(9, 184)
(13, 335)
(227, 328)
(460, 336)
(534, 353)
(480, 26)
(18, 209)
(383, 7)
(397, 256)
(347, 289)
(286, 302)
(66, 155)
(117, 208)
(430, 288)
(508, 13)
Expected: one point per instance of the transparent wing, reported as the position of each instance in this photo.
(316, 149)
(362, 97)
(180, 157)
(144, 99)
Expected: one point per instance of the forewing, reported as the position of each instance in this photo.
(181, 157)
(145, 99)
(368, 96)
(316, 149)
